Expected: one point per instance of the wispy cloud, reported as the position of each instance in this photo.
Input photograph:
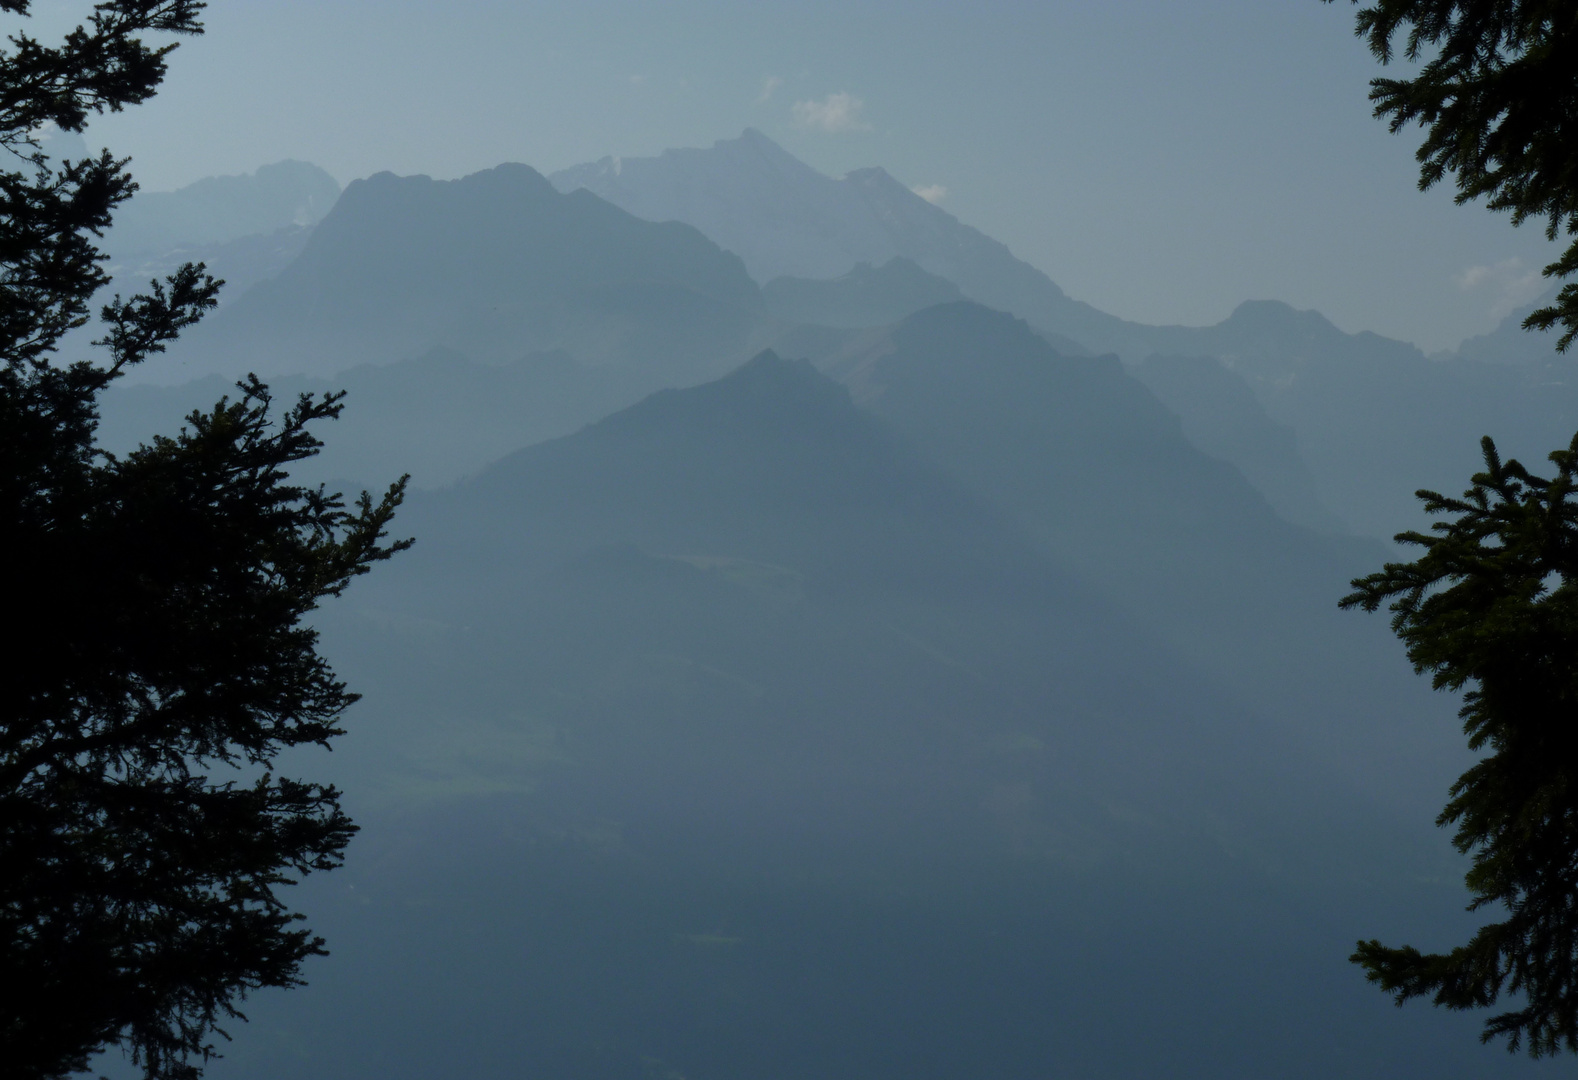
(1508, 284)
(770, 84)
(932, 193)
(835, 113)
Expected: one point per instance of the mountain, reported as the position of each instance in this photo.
(1509, 343)
(219, 209)
(1222, 417)
(1089, 462)
(785, 219)
(240, 263)
(499, 266)
(866, 296)
(439, 417)
(1372, 418)
(1375, 419)
(748, 732)
(495, 265)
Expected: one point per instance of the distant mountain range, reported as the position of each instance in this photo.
(220, 209)
(785, 219)
(764, 697)
(842, 674)
(496, 265)
(245, 229)
(1336, 430)
(1372, 418)
(498, 268)
(865, 296)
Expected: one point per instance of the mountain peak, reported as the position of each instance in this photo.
(219, 209)
(510, 180)
(495, 265)
(1258, 317)
(752, 137)
(787, 220)
(767, 373)
(964, 326)
(766, 393)
(875, 176)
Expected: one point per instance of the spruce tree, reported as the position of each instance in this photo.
(1491, 609)
(1497, 95)
(157, 661)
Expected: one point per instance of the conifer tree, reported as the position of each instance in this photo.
(1491, 608)
(156, 661)
(1498, 99)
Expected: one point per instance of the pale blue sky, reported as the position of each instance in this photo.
(1163, 160)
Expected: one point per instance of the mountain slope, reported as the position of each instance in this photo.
(1376, 419)
(438, 417)
(223, 208)
(785, 219)
(733, 736)
(866, 296)
(1222, 417)
(494, 265)
(1372, 418)
(1090, 463)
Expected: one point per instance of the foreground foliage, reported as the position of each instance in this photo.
(158, 662)
(1498, 99)
(1491, 609)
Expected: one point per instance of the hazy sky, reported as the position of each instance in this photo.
(1162, 160)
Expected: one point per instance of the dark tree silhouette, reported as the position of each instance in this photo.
(1491, 608)
(1492, 605)
(156, 660)
(1498, 99)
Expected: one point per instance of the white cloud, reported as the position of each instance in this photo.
(1508, 284)
(769, 84)
(932, 193)
(834, 113)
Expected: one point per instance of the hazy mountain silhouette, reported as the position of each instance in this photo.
(758, 567)
(498, 266)
(239, 263)
(1375, 418)
(739, 734)
(439, 417)
(244, 229)
(1372, 418)
(866, 296)
(223, 208)
(1087, 460)
(1222, 417)
(1509, 342)
(785, 219)
(495, 265)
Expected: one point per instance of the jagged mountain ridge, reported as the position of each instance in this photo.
(494, 265)
(220, 209)
(785, 219)
(866, 296)
(1373, 418)
(1376, 419)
